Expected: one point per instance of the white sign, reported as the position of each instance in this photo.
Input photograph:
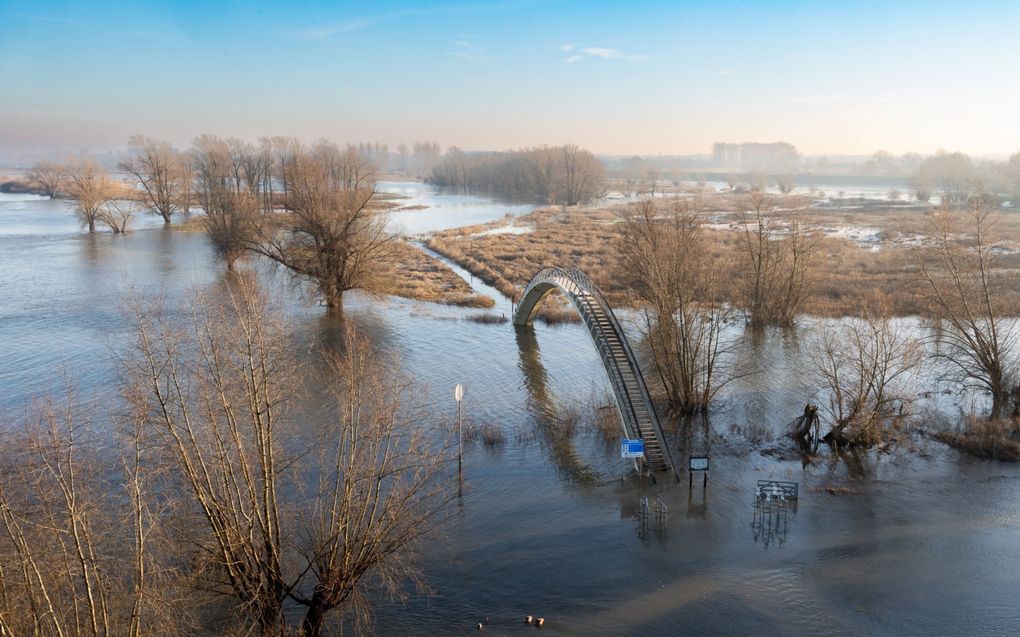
(458, 392)
(632, 448)
(699, 463)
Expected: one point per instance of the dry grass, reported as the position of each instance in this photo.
(416, 275)
(846, 276)
(488, 318)
(994, 439)
(490, 434)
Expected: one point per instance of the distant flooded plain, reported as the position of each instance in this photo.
(920, 541)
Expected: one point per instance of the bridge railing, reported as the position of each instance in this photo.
(574, 281)
(573, 285)
(645, 394)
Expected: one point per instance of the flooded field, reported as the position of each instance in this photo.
(919, 541)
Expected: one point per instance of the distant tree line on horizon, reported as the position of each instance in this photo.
(566, 175)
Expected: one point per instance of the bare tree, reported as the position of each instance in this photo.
(230, 202)
(384, 486)
(220, 394)
(962, 291)
(582, 175)
(786, 183)
(118, 212)
(651, 181)
(665, 263)
(949, 174)
(68, 565)
(91, 188)
(777, 254)
(47, 177)
(331, 234)
(862, 363)
(161, 173)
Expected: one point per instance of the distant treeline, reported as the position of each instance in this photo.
(565, 175)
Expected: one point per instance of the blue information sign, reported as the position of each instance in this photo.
(632, 448)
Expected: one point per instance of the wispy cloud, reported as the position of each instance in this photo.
(326, 31)
(598, 52)
(465, 49)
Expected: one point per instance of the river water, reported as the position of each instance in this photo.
(925, 542)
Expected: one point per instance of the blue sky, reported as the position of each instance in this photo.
(634, 77)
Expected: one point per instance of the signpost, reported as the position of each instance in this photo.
(632, 448)
(698, 463)
(458, 395)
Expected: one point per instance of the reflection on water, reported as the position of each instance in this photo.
(554, 426)
(908, 544)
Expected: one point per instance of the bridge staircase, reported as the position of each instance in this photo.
(632, 397)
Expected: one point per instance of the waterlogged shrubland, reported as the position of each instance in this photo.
(690, 269)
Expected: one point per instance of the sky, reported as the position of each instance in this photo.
(635, 77)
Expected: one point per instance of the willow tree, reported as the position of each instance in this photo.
(284, 516)
(665, 262)
(47, 177)
(969, 299)
(230, 206)
(90, 186)
(330, 233)
(161, 173)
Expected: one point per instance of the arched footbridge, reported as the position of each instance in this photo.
(632, 397)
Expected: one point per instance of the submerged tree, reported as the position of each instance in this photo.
(330, 234)
(960, 289)
(118, 212)
(862, 363)
(665, 263)
(161, 173)
(47, 177)
(91, 188)
(217, 395)
(230, 200)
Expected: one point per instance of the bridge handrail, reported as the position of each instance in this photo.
(565, 280)
(645, 394)
(572, 279)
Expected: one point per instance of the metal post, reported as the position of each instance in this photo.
(460, 446)
(458, 395)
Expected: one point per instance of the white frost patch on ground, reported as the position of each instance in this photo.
(864, 237)
(507, 229)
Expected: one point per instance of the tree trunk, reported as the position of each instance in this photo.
(312, 624)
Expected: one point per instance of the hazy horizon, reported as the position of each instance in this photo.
(646, 79)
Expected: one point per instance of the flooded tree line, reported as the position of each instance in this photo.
(565, 175)
(220, 507)
(312, 210)
(689, 299)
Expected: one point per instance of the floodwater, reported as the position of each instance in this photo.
(924, 542)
